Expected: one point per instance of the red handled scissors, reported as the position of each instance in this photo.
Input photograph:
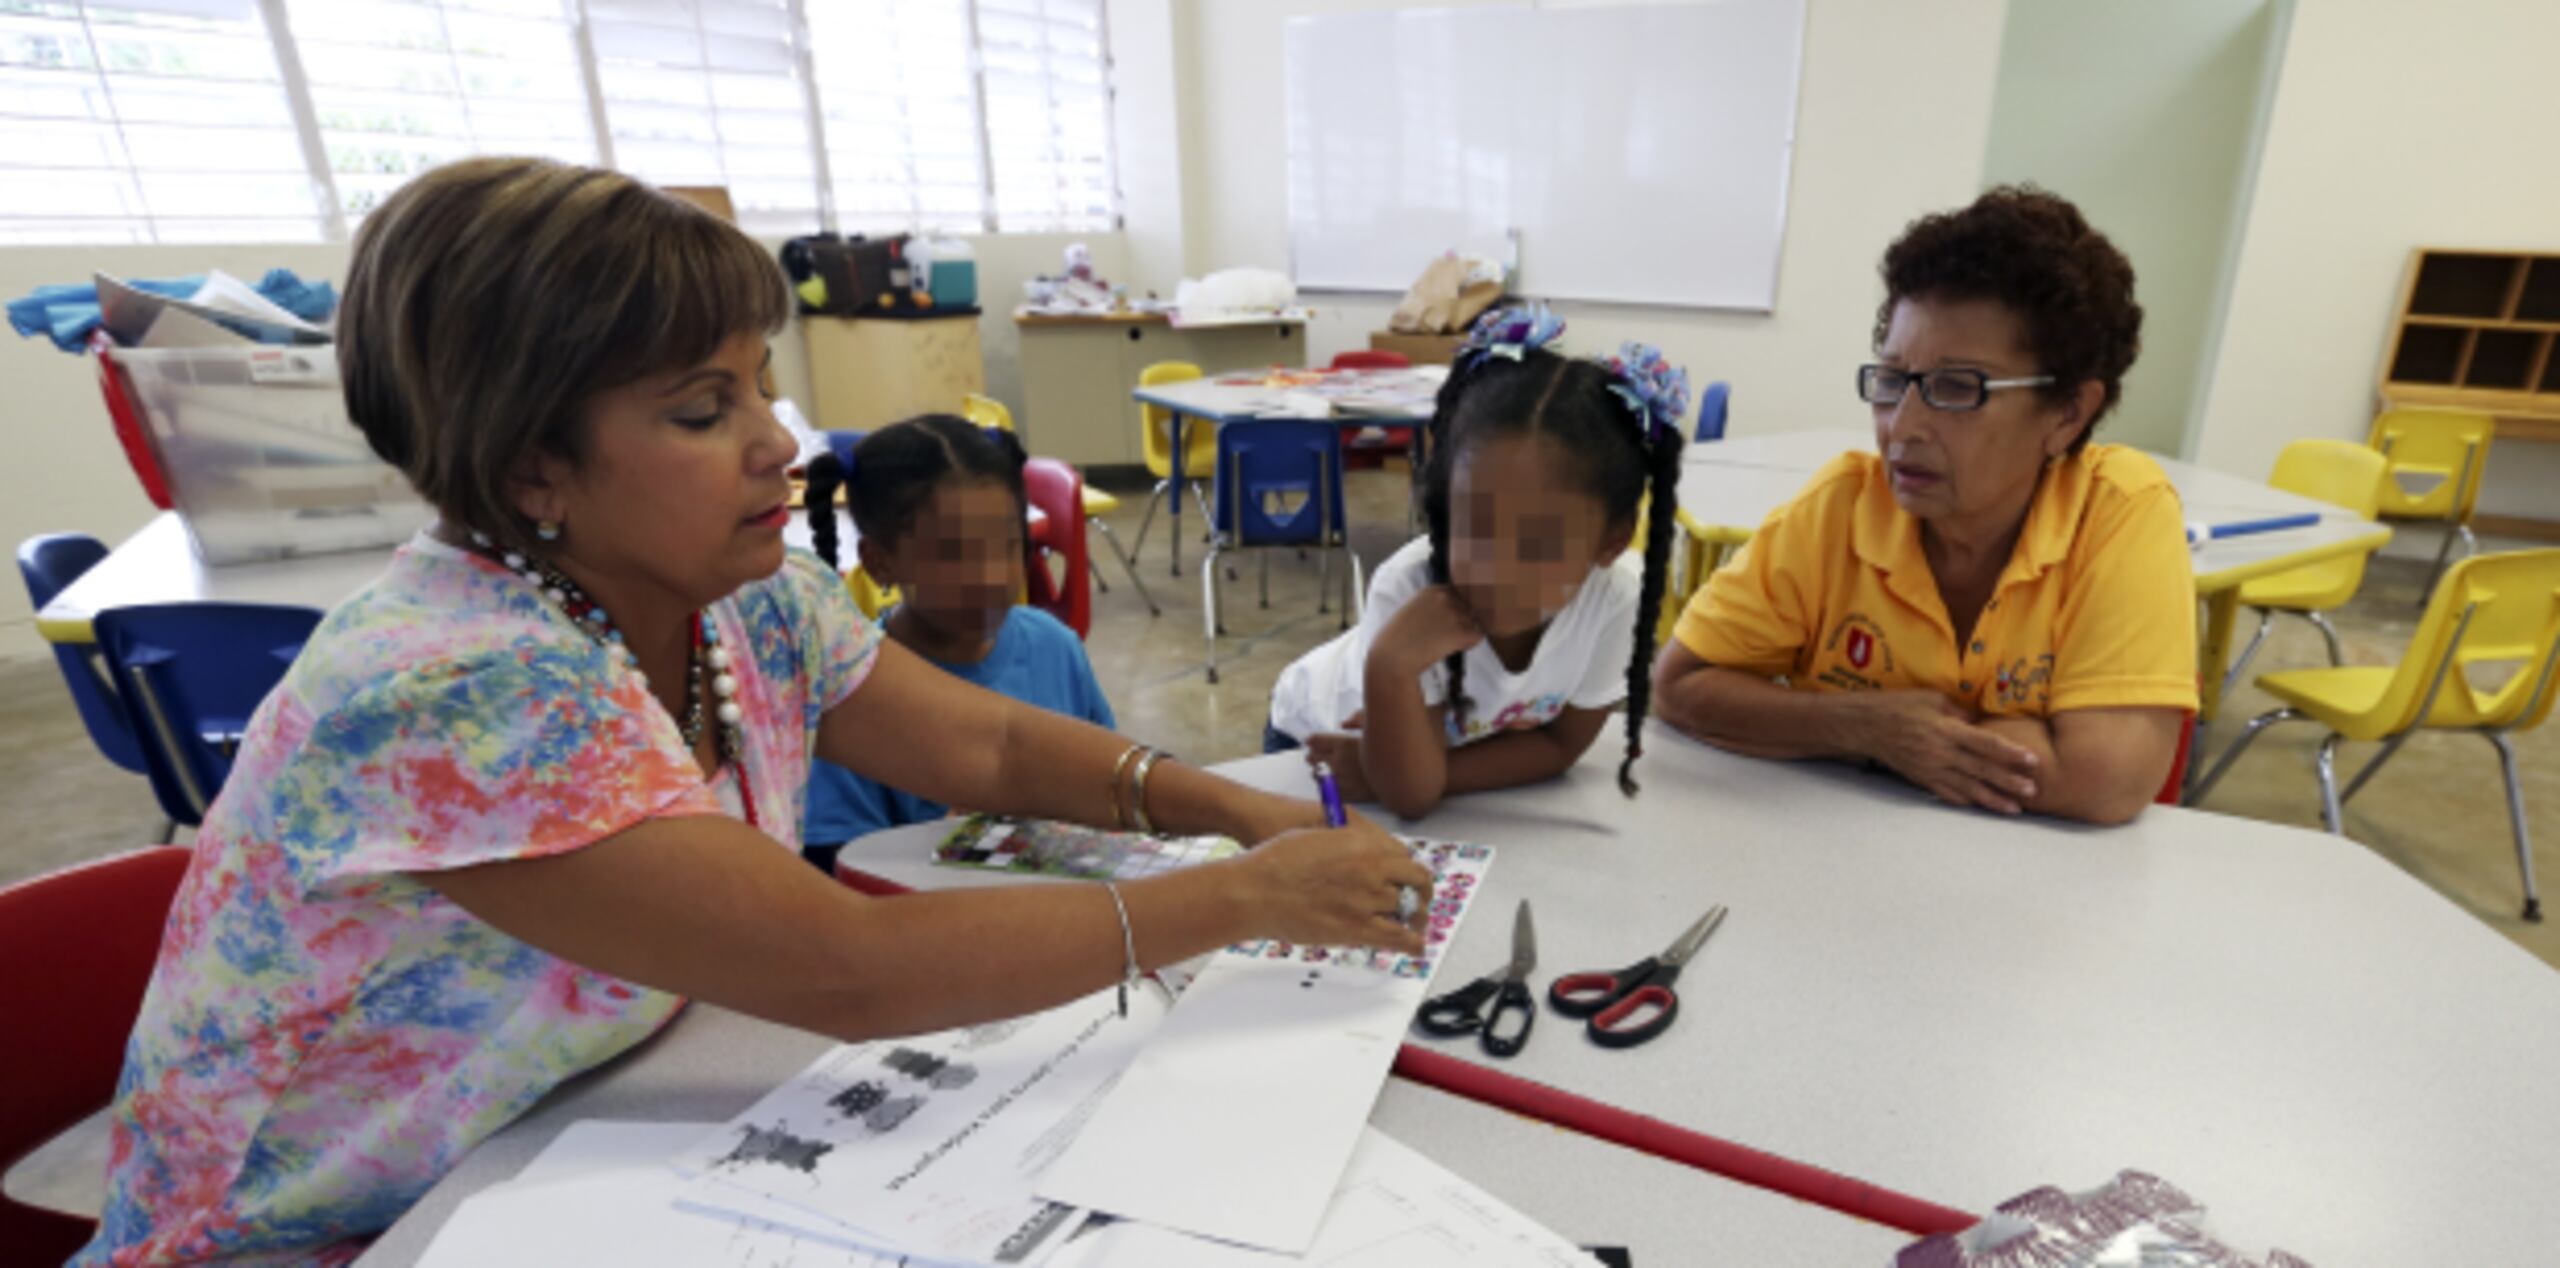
(1611, 1000)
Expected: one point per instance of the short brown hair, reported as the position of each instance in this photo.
(491, 298)
(2031, 252)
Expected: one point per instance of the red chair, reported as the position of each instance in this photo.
(80, 944)
(1370, 359)
(1361, 449)
(1067, 594)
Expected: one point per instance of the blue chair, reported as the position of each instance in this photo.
(1262, 465)
(49, 564)
(190, 675)
(1711, 407)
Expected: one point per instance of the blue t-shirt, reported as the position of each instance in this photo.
(1037, 660)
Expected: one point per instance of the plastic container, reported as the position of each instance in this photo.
(947, 268)
(260, 456)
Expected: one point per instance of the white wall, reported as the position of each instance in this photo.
(1896, 101)
(2395, 126)
(66, 473)
(2143, 115)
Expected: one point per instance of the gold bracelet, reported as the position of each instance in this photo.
(1120, 803)
(1138, 790)
(1129, 972)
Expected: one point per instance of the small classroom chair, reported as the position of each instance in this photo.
(1260, 467)
(190, 675)
(2343, 474)
(94, 928)
(1370, 446)
(987, 411)
(1057, 490)
(1155, 434)
(1711, 410)
(2490, 610)
(2447, 449)
(49, 564)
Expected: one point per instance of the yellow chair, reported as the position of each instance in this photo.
(987, 411)
(2343, 474)
(1155, 433)
(869, 595)
(2447, 449)
(2491, 609)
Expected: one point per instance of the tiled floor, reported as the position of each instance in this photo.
(2438, 811)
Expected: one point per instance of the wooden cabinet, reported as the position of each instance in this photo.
(2477, 329)
(867, 372)
(1077, 373)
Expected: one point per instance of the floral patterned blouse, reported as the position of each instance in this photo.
(324, 1035)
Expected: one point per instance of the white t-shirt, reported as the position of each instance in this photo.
(1581, 661)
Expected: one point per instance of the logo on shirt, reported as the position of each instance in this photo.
(2024, 681)
(1861, 655)
(1861, 647)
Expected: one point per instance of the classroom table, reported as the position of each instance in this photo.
(711, 1063)
(1728, 487)
(1224, 400)
(159, 565)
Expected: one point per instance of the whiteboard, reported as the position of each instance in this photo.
(1632, 154)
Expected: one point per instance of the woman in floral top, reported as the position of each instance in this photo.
(521, 796)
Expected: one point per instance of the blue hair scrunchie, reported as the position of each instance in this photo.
(1654, 390)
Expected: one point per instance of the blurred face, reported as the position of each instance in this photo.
(680, 488)
(1980, 464)
(959, 567)
(1522, 537)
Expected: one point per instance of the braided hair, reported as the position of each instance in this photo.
(896, 471)
(1614, 454)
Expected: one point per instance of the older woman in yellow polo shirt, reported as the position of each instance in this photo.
(1989, 604)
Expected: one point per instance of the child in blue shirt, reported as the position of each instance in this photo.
(940, 506)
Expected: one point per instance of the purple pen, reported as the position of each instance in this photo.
(1334, 815)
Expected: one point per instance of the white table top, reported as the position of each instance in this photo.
(1224, 402)
(712, 1063)
(1735, 484)
(159, 565)
(1963, 1007)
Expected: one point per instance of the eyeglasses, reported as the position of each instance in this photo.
(1958, 390)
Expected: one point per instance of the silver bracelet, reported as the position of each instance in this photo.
(1128, 946)
(1138, 790)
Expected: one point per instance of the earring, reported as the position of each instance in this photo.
(547, 530)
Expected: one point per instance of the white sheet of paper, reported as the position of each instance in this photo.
(594, 1145)
(929, 1144)
(1394, 1209)
(625, 1217)
(1237, 1120)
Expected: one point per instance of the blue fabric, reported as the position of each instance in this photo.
(1037, 660)
(67, 313)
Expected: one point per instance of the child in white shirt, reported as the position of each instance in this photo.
(1492, 651)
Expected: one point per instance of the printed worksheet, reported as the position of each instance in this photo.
(927, 1145)
(1237, 1120)
(1394, 1209)
(602, 1193)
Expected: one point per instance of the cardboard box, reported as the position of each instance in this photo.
(1419, 349)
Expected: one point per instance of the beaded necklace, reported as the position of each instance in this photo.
(706, 659)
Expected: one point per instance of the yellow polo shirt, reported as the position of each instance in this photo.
(2096, 608)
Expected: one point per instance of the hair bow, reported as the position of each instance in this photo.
(1511, 333)
(1655, 390)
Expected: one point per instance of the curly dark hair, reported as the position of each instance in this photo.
(2032, 252)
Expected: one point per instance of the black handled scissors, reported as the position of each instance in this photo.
(1611, 1000)
(1478, 1007)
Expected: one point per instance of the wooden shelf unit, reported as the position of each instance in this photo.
(2479, 330)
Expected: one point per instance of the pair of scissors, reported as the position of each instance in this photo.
(1478, 1007)
(1610, 1000)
